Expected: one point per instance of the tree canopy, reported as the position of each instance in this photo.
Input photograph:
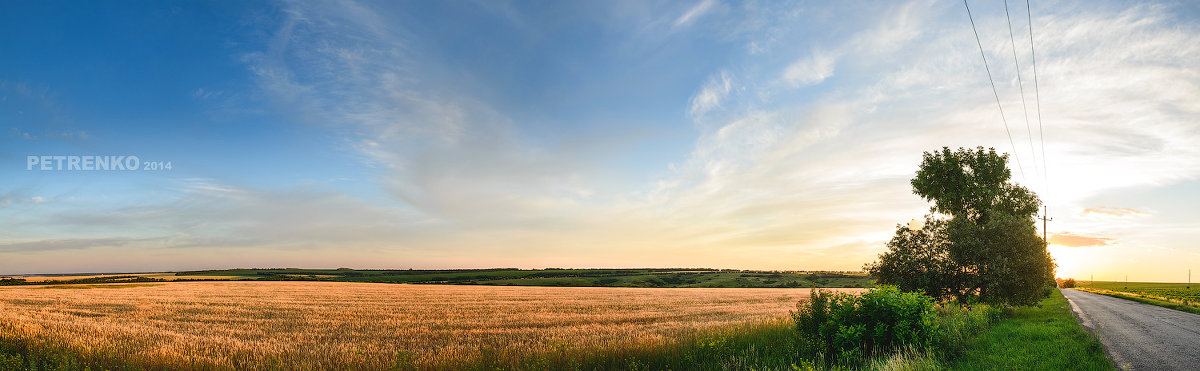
(979, 240)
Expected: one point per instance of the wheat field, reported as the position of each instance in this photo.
(325, 325)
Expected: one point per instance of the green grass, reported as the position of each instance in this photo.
(1045, 337)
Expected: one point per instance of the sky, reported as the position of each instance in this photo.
(473, 134)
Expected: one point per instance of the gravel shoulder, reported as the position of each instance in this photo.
(1139, 336)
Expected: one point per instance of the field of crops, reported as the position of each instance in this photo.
(1178, 292)
(331, 325)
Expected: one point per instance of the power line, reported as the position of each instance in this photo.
(1038, 97)
(1021, 85)
(996, 94)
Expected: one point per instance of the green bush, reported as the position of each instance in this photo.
(849, 329)
(959, 324)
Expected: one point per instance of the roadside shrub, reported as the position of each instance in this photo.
(906, 359)
(959, 324)
(1068, 283)
(849, 329)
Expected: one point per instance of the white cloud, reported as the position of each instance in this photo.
(810, 70)
(711, 95)
(444, 151)
(210, 188)
(694, 12)
(202, 94)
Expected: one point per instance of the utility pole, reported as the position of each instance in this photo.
(1045, 218)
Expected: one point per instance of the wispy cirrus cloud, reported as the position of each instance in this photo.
(446, 151)
(711, 95)
(696, 11)
(66, 244)
(810, 70)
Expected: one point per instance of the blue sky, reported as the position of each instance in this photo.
(760, 135)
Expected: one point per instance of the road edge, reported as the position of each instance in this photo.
(1089, 326)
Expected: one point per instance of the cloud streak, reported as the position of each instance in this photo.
(709, 98)
(810, 70)
(1075, 240)
(694, 12)
(66, 244)
(1113, 211)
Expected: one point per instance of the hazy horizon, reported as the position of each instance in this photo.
(1079, 279)
(775, 136)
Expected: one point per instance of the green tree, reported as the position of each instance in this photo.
(919, 260)
(979, 239)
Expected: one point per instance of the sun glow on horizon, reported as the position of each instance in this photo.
(1071, 261)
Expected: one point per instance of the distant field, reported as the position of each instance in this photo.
(1115, 285)
(565, 277)
(1179, 293)
(160, 276)
(331, 325)
(501, 277)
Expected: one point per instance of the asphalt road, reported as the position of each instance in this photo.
(1139, 336)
